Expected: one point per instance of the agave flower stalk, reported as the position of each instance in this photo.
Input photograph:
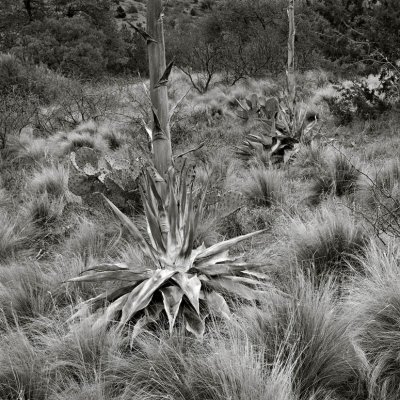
(181, 277)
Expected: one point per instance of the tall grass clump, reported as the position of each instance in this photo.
(337, 177)
(21, 372)
(52, 180)
(327, 245)
(181, 368)
(373, 309)
(25, 294)
(92, 240)
(15, 239)
(263, 187)
(305, 330)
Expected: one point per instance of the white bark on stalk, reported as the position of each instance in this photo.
(290, 73)
(162, 151)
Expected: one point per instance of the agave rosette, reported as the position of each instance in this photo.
(180, 277)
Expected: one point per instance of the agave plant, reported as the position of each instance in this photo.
(300, 126)
(279, 141)
(180, 278)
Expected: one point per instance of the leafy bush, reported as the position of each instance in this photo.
(366, 98)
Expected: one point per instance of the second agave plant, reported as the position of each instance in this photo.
(181, 279)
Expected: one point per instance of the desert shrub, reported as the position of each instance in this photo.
(379, 196)
(365, 98)
(79, 45)
(78, 104)
(16, 112)
(19, 78)
(328, 245)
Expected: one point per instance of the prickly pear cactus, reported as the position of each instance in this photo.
(92, 174)
(259, 107)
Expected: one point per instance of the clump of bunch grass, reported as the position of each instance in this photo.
(327, 245)
(52, 180)
(305, 331)
(373, 309)
(93, 240)
(25, 294)
(263, 187)
(21, 368)
(44, 211)
(15, 238)
(337, 177)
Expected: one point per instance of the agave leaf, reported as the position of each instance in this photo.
(141, 296)
(94, 303)
(108, 267)
(151, 314)
(257, 274)
(188, 232)
(154, 226)
(134, 231)
(164, 78)
(172, 298)
(190, 285)
(111, 310)
(235, 288)
(122, 275)
(213, 260)
(142, 33)
(247, 281)
(154, 191)
(226, 245)
(217, 304)
(221, 269)
(193, 322)
(164, 225)
(173, 214)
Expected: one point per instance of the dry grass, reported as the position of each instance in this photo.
(328, 244)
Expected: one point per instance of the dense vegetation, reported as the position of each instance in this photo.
(305, 306)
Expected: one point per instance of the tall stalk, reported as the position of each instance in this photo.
(161, 139)
(291, 79)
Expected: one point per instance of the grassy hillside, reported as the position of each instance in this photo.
(325, 322)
